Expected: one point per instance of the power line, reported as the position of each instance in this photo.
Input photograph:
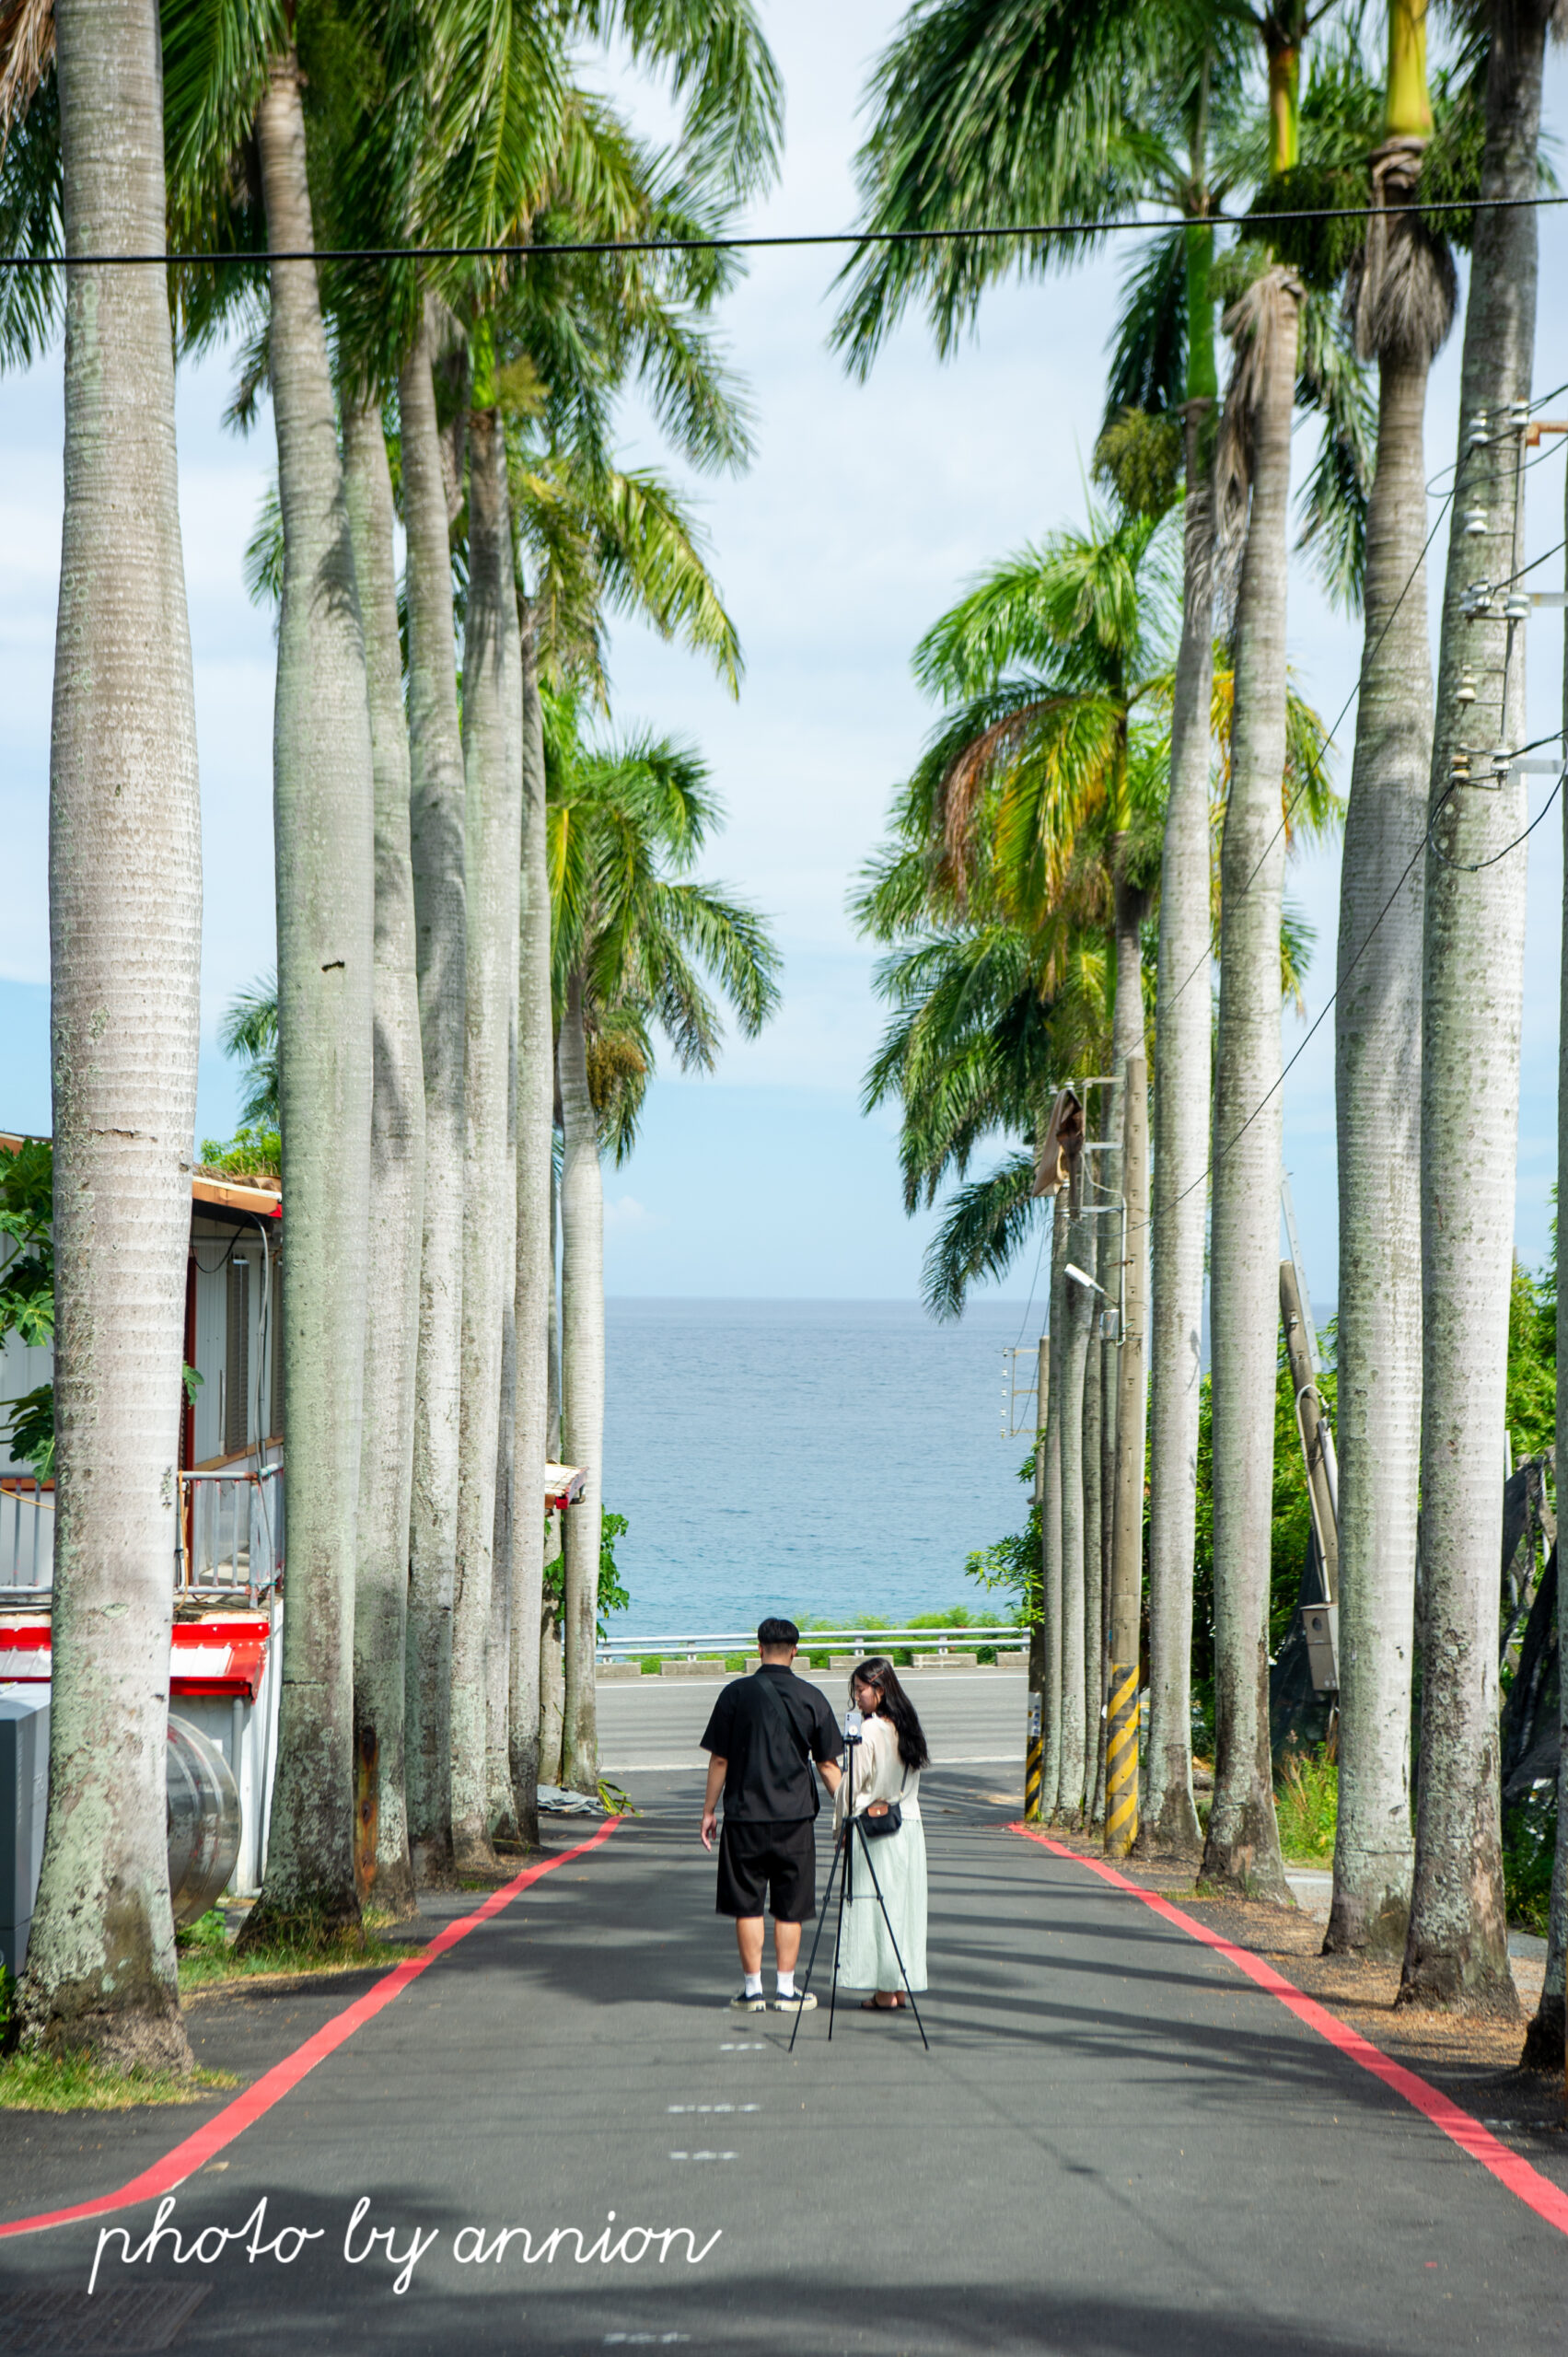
(1329, 735)
(1315, 766)
(519, 250)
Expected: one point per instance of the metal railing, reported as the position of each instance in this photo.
(1010, 1638)
(27, 1535)
(231, 1530)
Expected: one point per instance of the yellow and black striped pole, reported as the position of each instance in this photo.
(1033, 1764)
(1127, 1540)
(1121, 1760)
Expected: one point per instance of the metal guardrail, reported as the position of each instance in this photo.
(231, 1531)
(26, 1536)
(862, 1641)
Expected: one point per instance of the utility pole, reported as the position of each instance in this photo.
(1034, 1745)
(1317, 1435)
(1127, 1543)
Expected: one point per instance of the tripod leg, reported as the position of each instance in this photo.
(839, 1933)
(817, 1941)
(893, 1936)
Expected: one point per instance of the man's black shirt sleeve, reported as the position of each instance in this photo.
(826, 1737)
(719, 1732)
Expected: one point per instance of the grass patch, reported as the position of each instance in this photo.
(207, 1958)
(736, 1664)
(651, 1665)
(1307, 1800)
(72, 2082)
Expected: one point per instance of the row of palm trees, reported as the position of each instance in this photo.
(1069, 784)
(485, 908)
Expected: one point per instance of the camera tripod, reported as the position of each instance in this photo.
(843, 1857)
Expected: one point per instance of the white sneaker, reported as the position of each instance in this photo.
(797, 2004)
(744, 2004)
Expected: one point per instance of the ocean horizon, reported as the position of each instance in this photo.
(810, 1457)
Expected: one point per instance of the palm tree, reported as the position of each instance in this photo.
(126, 926)
(989, 112)
(1241, 1844)
(242, 77)
(396, 1201)
(634, 935)
(1002, 974)
(438, 829)
(1403, 289)
(1455, 1952)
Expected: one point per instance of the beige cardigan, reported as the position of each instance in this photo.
(880, 1774)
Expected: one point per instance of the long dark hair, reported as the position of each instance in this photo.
(893, 1703)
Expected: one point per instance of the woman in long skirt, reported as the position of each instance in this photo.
(885, 1953)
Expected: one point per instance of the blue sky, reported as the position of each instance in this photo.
(867, 510)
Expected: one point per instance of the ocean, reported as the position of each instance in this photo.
(817, 1457)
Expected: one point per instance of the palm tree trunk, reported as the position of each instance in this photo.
(535, 1254)
(582, 1389)
(440, 913)
(501, 1816)
(552, 1671)
(1377, 1028)
(125, 930)
(492, 762)
(1077, 1310)
(397, 1203)
(1107, 1249)
(324, 826)
(1050, 1525)
(1178, 1193)
(1456, 1952)
(1547, 2038)
(1094, 1543)
(1242, 1845)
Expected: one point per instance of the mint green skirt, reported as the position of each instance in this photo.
(867, 1959)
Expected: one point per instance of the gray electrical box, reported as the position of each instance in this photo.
(24, 1797)
(1320, 1626)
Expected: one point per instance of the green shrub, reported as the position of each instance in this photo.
(208, 1934)
(1529, 1836)
(735, 1664)
(1307, 1798)
(819, 1661)
(651, 1665)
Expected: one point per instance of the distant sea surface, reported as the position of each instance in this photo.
(807, 1457)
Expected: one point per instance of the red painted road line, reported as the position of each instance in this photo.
(1535, 2191)
(273, 2085)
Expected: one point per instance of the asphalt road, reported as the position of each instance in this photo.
(971, 1717)
(1117, 2147)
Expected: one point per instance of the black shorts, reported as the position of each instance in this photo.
(773, 1856)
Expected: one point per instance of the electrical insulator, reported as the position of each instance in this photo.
(1475, 522)
(1518, 413)
(1502, 763)
(1479, 436)
(1517, 608)
(1465, 692)
(1460, 768)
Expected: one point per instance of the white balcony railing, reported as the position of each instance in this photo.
(231, 1530)
(229, 1540)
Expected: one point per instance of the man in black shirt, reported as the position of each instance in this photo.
(764, 1734)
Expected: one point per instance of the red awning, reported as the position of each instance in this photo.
(224, 1656)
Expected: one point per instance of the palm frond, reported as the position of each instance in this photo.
(1000, 110)
(981, 1236)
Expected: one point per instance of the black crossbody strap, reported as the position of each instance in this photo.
(781, 1709)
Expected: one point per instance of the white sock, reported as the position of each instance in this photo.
(786, 1984)
(753, 1984)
